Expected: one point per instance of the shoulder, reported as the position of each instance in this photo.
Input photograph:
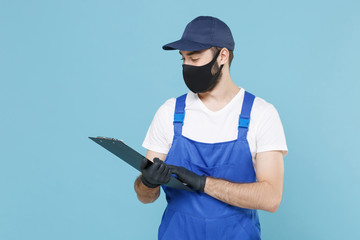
(165, 113)
(168, 107)
(169, 104)
(261, 107)
(263, 113)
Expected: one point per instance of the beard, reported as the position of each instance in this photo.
(216, 72)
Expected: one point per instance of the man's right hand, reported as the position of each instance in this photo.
(156, 174)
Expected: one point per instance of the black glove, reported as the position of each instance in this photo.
(156, 174)
(193, 180)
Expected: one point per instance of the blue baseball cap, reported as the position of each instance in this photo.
(202, 33)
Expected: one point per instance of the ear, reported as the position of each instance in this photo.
(224, 56)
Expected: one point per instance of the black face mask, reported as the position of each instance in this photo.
(199, 79)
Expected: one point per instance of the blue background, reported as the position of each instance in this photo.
(73, 69)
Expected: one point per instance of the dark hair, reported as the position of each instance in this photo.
(231, 53)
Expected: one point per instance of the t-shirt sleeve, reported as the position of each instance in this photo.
(270, 133)
(158, 136)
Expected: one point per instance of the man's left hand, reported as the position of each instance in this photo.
(193, 180)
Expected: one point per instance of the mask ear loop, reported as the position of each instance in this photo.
(217, 54)
(219, 71)
(221, 66)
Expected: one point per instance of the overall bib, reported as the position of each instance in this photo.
(195, 215)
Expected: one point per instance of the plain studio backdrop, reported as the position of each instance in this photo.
(73, 69)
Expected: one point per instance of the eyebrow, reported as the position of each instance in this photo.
(190, 53)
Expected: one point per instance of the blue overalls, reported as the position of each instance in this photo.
(195, 215)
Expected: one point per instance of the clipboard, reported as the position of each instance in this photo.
(133, 158)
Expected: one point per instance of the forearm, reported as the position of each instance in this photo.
(144, 193)
(257, 195)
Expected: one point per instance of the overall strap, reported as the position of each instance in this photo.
(244, 118)
(179, 114)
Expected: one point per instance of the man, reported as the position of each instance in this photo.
(221, 140)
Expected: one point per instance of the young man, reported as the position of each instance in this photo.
(224, 142)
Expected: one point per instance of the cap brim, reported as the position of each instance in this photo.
(186, 45)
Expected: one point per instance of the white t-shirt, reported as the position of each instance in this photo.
(265, 132)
